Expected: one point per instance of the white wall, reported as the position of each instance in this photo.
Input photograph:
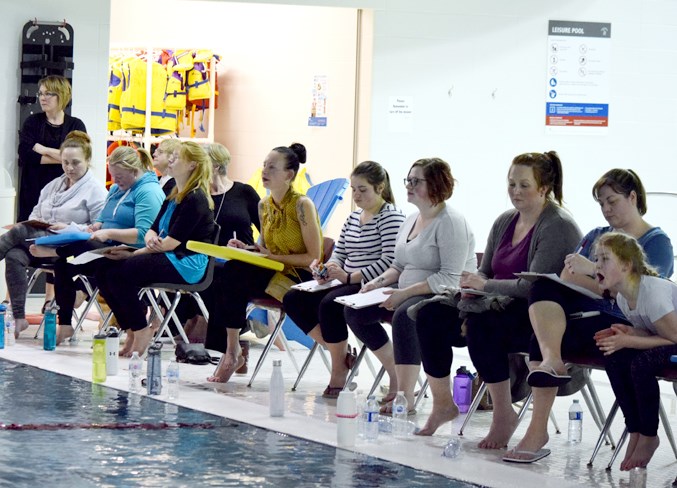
(90, 24)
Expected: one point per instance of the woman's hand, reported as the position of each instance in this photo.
(236, 243)
(614, 338)
(154, 243)
(373, 284)
(472, 280)
(94, 227)
(57, 226)
(396, 298)
(101, 235)
(577, 264)
(119, 254)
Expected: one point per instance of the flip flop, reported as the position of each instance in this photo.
(532, 456)
(387, 410)
(541, 378)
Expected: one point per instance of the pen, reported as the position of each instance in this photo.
(161, 234)
(580, 248)
(235, 235)
(584, 315)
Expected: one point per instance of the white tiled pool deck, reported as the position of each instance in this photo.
(310, 416)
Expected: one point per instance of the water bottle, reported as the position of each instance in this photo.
(49, 336)
(154, 369)
(385, 425)
(452, 449)
(575, 423)
(3, 311)
(112, 350)
(371, 419)
(463, 389)
(99, 359)
(400, 415)
(346, 419)
(135, 367)
(173, 380)
(277, 390)
(10, 329)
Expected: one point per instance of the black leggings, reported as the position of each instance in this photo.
(366, 325)
(439, 328)
(308, 309)
(632, 373)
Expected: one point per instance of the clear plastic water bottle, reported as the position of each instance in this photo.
(135, 367)
(277, 390)
(385, 425)
(3, 311)
(49, 335)
(370, 417)
(452, 449)
(400, 405)
(173, 380)
(10, 328)
(575, 423)
(154, 369)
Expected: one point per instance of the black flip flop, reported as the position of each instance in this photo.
(541, 378)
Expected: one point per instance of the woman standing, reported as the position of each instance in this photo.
(74, 197)
(163, 152)
(434, 246)
(290, 234)
(185, 215)
(364, 250)
(40, 139)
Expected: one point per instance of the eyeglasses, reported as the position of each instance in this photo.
(413, 182)
(45, 94)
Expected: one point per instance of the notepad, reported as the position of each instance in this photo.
(527, 275)
(312, 286)
(362, 300)
(89, 256)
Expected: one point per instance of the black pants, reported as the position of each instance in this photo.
(120, 281)
(438, 328)
(308, 309)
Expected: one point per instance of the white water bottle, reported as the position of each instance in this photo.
(575, 423)
(112, 350)
(277, 390)
(173, 380)
(346, 419)
(135, 368)
(400, 404)
(371, 419)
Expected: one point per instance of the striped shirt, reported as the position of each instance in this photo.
(369, 248)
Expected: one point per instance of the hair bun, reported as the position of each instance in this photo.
(300, 151)
(79, 135)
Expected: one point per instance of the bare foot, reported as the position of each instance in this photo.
(63, 332)
(500, 432)
(141, 340)
(42, 251)
(439, 417)
(529, 444)
(19, 326)
(227, 365)
(632, 443)
(643, 452)
(126, 350)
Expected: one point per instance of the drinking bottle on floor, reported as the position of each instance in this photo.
(346, 419)
(49, 335)
(400, 405)
(10, 338)
(112, 350)
(173, 380)
(154, 369)
(463, 389)
(99, 359)
(135, 367)
(575, 423)
(3, 311)
(371, 419)
(277, 390)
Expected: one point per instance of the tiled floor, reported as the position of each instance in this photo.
(312, 417)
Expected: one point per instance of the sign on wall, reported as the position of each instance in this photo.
(577, 81)
(318, 105)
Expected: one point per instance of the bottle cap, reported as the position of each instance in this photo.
(3, 307)
(100, 336)
(113, 332)
(155, 347)
(277, 362)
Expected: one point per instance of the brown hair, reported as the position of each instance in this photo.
(295, 155)
(624, 182)
(547, 169)
(438, 177)
(376, 175)
(131, 159)
(78, 140)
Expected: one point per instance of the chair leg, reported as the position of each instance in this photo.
(604, 431)
(421, 393)
(306, 363)
(266, 349)
(598, 406)
(377, 381)
(666, 426)
(358, 361)
(170, 315)
(473, 406)
(621, 441)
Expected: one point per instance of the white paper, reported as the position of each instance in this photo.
(552, 276)
(312, 286)
(89, 256)
(69, 228)
(367, 299)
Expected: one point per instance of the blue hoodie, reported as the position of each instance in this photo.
(136, 207)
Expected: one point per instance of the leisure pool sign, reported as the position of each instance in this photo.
(577, 79)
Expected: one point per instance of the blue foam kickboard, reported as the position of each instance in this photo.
(61, 239)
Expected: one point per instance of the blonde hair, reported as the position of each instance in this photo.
(131, 159)
(220, 157)
(201, 176)
(78, 140)
(59, 85)
(628, 251)
(168, 146)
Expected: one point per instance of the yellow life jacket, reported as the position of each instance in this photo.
(133, 98)
(163, 120)
(114, 93)
(198, 83)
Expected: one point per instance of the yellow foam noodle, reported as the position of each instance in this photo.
(226, 252)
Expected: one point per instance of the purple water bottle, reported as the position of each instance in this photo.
(463, 389)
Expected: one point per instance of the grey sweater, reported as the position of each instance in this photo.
(555, 235)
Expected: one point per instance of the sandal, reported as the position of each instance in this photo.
(351, 358)
(387, 399)
(332, 392)
(387, 410)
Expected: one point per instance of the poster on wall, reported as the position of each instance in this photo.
(401, 114)
(318, 106)
(577, 80)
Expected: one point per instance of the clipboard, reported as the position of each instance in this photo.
(552, 276)
(312, 286)
(226, 252)
(363, 300)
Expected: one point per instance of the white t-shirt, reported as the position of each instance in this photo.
(657, 297)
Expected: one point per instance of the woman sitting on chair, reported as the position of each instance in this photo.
(185, 215)
(434, 246)
(163, 153)
(290, 234)
(365, 249)
(132, 205)
(75, 197)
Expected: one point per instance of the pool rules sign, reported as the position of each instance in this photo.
(577, 86)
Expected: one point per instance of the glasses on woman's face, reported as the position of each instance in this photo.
(413, 182)
(45, 94)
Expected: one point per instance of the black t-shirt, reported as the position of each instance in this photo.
(238, 212)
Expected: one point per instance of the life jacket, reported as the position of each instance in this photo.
(133, 98)
(114, 93)
(163, 119)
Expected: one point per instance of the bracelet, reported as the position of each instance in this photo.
(348, 279)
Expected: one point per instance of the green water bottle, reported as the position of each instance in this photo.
(99, 359)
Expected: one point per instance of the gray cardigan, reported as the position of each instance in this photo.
(555, 235)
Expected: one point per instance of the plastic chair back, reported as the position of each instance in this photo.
(326, 196)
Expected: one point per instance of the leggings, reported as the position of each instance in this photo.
(632, 373)
(366, 325)
(492, 335)
(308, 309)
(14, 250)
(439, 328)
(120, 281)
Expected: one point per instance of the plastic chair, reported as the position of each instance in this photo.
(326, 196)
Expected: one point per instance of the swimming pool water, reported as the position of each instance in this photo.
(229, 454)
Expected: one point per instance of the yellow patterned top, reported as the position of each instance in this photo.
(280, 226)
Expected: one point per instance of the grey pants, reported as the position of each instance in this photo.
(14, 250)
